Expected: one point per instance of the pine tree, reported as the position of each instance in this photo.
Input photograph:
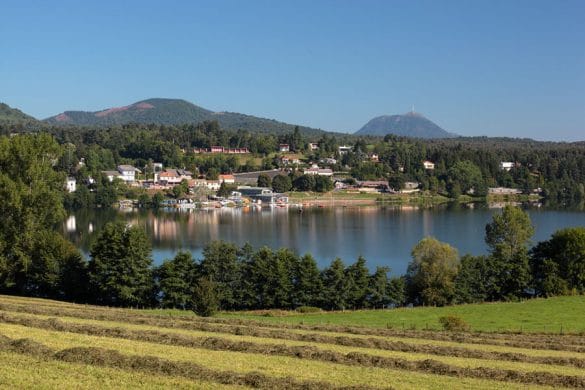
(120, 266)
(378, 288)
(358, 280)
(335, 285)
(220, 265)
(307, 286)
(176, 279)
(205, 301)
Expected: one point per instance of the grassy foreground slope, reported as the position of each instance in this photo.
(551, 315)
(50, 344)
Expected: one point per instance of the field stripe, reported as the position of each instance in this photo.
(370, 342)
(344, 344)
(306, 352)
(28, 372)
(571, 343)
(155, 365)
(273, 365)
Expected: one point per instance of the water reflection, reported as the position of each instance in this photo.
(384, 235)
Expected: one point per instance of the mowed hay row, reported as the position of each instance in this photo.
(277, 366)
(153, 365)
(219, 341)
(20, 371)
(534, 341)
(99, 311)
(195, 323)
(549, 375)
(378, 342)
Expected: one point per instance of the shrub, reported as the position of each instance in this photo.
(453, 324)
(308, 309)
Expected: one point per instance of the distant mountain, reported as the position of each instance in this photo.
(14, 116)
(172, 112)
(411, 124)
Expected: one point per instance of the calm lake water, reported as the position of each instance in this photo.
(383, 235)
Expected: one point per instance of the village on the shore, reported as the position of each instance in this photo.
(252, 189)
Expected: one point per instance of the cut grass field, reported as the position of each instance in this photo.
(552, 315)
(48, 344)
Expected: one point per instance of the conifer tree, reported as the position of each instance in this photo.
(120, 270)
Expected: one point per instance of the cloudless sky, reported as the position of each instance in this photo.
(496, 68)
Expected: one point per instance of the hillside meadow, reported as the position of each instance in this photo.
(48, 344)
(551, 315)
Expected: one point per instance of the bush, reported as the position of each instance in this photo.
(308, 309)
(453, 324)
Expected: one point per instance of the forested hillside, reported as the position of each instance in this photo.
(172, 112)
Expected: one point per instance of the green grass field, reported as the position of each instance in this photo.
(535, 315)
(51, 344)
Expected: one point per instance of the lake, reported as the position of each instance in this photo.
(383, 235)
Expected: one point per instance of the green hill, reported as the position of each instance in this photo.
(411, 124)
(172, 112)
(11, 115)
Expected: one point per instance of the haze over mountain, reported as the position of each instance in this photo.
(172, 112)
(411, 124)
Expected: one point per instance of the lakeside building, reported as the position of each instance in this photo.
(263, 195)
(284, 148)
(315, 170)
(503, 191)
(126, 173)
(212, 185)
(227, 179)
(373, 186)
(221, 149)
(172, 176)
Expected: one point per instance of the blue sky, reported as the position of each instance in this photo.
(511, 68)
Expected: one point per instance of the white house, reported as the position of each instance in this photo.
(128, 173)
(173, 176)
(503, 191)
(284, 148)
(71, 184)
(506, 165)
(329, 160)
(227, 179)
(313, 146)
(204, 183)
(315, 170)
(286, 160)
(429, 165)
(344, 149)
